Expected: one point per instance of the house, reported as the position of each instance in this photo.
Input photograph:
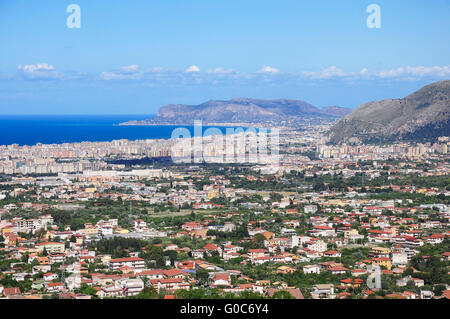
(82, 296)
(317, 245)
(199, 233)
(38, 284)
(350, 282)
(130, 286)
(261, 260)
(41, 268)
(445, 256)
(210, 248)
(446, 294)
(395, 295)
(352, 235)
(291, 223)
(43, 260)
(410, 295)
(73, 281)
(311, 269)
(221, 279)
(284, 258)
(192, 226)
(54, 286)
(323, 231)
(21, 276)
(310, 209)
(135, 262)
(252, 287)
(358, 272)
(332, 254)
(197, 253)
(175, 273)
(426, 294)
(267, 234)
(312, 254)
(205, 266)
(434, 239)
(404, 281)
(254, 253)
(185, 265)
(88, 259)
(170, 284)
(344, 295)
(285, 270)
(111, 291)
(50, 276)
(323, 291)
(379, 252)
(399, 258)
(382, 261)
(11, 292)
(51, 247)
(338, 270)
(139, 224)
(296, 292)
(126, 270)
(229, 255)
(55, 258)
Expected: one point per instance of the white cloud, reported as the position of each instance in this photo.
(161, 70)
(168, 76)
(130, 69)
(40, 71)
(406, 73)
(419, 71)
(219, 70)
(192, 68)
(269, 69)
(327, 73)
(130, 72)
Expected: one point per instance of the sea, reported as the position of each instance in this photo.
(57, 129)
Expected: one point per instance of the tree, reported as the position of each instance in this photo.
(438, 289)
(146, 293)
(246, 294)
(54, 295)
(202, 275)
(282, 294)
(172, 254)
(87, 290)
(276, 197)
(258, 241)
(154, 253)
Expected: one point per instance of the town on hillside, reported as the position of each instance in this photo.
(101, 220)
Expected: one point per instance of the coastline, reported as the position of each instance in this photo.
(137, 123)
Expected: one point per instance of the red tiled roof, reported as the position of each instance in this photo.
(126, 259)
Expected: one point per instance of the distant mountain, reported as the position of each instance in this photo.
(336, 111)
(242, 110)
(422, 115)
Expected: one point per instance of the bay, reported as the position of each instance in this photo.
(57, 129)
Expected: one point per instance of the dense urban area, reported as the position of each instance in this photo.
(121, 220)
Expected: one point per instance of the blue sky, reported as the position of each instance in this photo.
(131, 57)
